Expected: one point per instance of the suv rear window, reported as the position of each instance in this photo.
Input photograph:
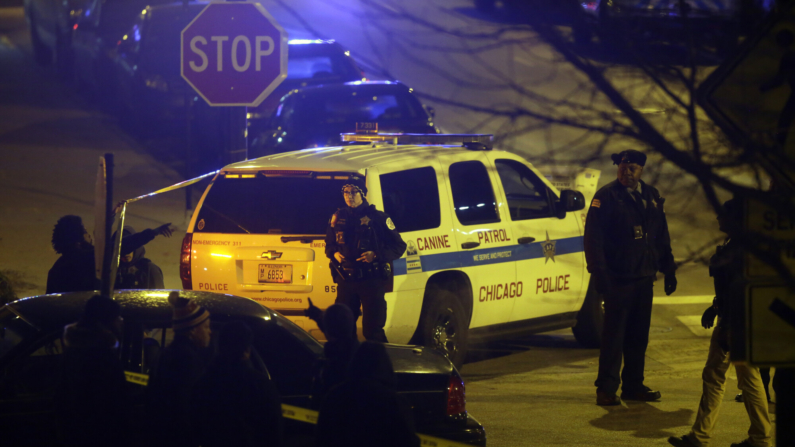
(411, 198)
(275, 205)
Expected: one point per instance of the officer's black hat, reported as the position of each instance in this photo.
(358, 183)
(630, 156)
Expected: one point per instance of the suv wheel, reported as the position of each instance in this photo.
(444, 325)
(590, 319)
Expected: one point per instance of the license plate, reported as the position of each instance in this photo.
(278, 273)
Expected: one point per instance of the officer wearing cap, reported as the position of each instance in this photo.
(626, 244)
(361, 243)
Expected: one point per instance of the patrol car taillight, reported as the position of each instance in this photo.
(184, 262)
(456, 396)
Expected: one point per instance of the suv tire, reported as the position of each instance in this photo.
(590, 319)
(444, 324)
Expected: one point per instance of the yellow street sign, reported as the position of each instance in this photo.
(760, 219)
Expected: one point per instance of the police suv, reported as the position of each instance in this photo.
(493, 247)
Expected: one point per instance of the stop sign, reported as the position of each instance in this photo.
(234, 54)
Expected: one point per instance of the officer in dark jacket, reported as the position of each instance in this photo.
(626, 244)
(361, 243)
(137, 272)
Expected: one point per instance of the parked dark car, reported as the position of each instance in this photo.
(98, 30)
(50, 23)
(146, 78)
(315, 116)
(31, 352)
(311, 62)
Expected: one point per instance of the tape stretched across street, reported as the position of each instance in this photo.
(309, 416)
(173, 187)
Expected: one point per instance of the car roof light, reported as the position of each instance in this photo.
(308, 41)
(419, 138)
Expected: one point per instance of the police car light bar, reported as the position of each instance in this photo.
(420, 138)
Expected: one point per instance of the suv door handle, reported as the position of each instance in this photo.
(468, 245)
(526, 240)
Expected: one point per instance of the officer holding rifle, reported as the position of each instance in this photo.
(361, 243)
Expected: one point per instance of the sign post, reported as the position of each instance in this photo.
(234, 54)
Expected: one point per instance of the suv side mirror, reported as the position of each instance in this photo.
(570, 200)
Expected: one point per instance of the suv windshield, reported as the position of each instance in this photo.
(275, 205)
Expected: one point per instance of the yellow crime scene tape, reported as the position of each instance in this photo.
(308, 416)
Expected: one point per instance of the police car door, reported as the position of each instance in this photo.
(412, 195)
(483, 237)
(549, 253)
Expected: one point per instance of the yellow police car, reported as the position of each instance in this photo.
(493, 247)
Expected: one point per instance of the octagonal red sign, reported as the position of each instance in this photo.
(234, 54)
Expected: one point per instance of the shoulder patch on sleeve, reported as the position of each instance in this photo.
(596, 203)
(389, 223)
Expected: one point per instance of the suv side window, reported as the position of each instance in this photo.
(411, 198)
(473, 196)
(528, 196)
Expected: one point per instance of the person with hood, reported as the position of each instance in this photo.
(361, 243)
(179, 368)
(725, 267)
(92, 404)
(135, 271)
(75, 270)
(339, 326)
(365, 410)
(234, 404)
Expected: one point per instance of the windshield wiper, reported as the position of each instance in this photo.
(303, 239)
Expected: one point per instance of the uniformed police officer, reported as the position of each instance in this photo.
(361, 243)
(626, 244)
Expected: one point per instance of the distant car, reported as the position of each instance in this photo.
(50, 23)
(97, 31)
(31, 352)
(315, 116)
(145, 71)
(311, 62)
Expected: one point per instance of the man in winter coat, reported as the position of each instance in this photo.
(135, 271)
(234, 404)
(75, 270)
(180, 366)
(366, 410)
(92, 402)
(726, 268)
(626, 244)
(361, 243)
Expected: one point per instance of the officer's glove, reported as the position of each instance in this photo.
(602, 282)
(708, 319)
(670, 284)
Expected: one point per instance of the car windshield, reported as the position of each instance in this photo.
(355, 105)
(13, 331)
(275, 205)
(328, 68)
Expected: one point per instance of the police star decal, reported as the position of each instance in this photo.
(365, 220)
(549, 249)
